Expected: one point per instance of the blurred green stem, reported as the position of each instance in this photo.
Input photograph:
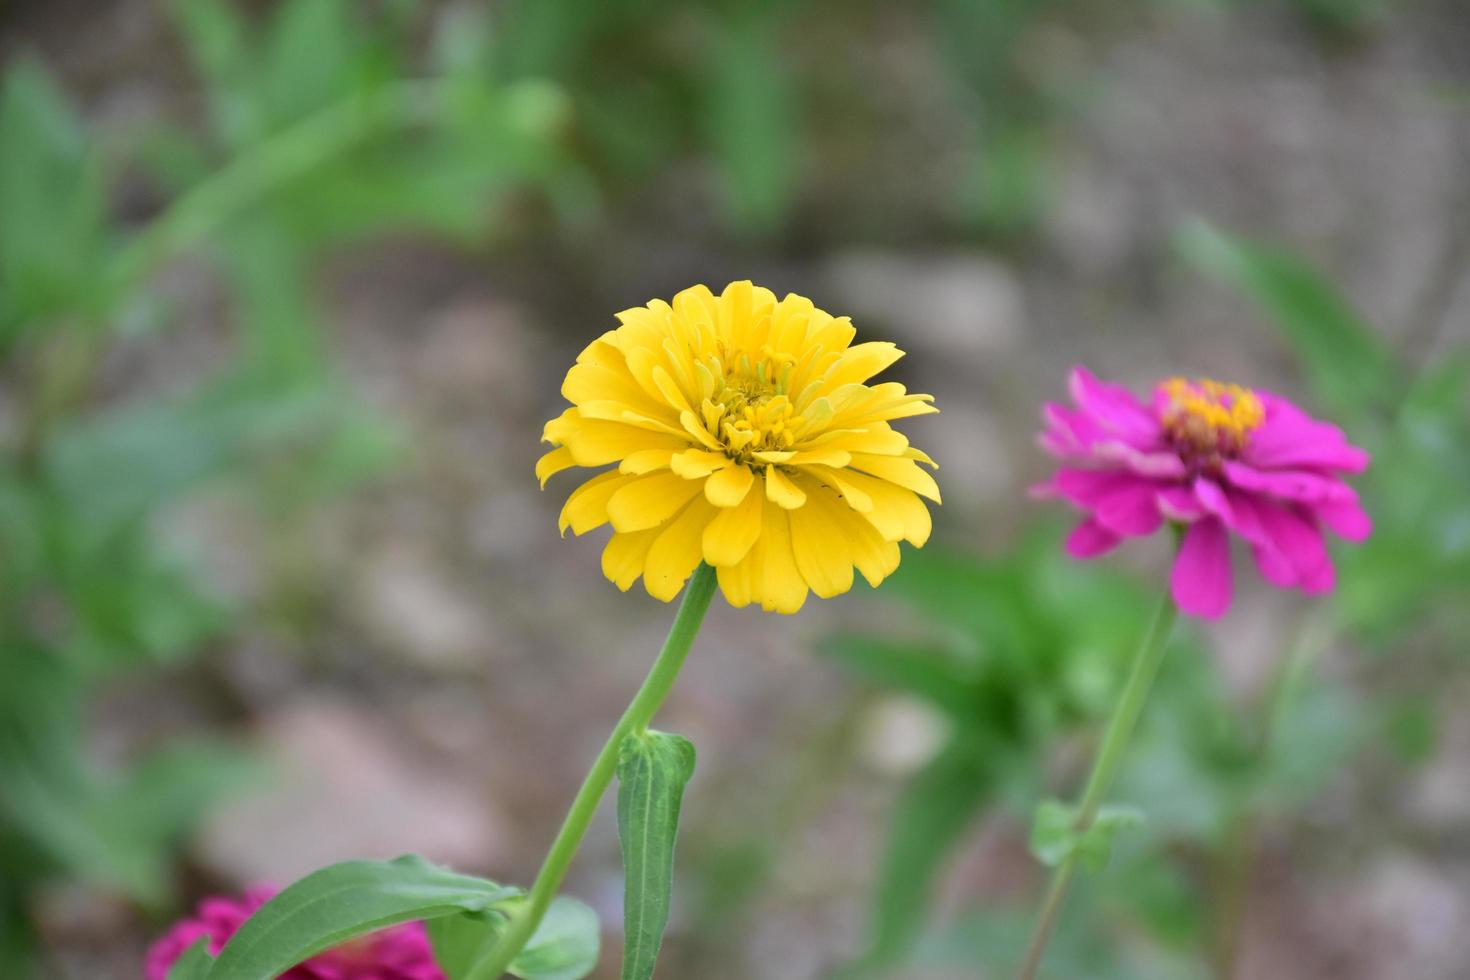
(640, 711)
(275, 162)
(1104, 769)
(1238, 852)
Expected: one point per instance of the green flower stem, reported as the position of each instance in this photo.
(640, 711)
(1104, 769)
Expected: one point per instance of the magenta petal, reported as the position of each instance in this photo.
(1131, 510)
(1086, 488)
(1201, 580)
(1292, 438)
(1287, 484)
(1090, 539)
(1274, 566)
(1300, 541)
(1179, 504)
(1345, 518)
(1212, 498)
(1161, 465)
(1114, 408)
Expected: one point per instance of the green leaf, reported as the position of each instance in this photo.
(53, 235)
(1055, 837)
(1347, 362)
(931, 676)
(338, 903)
(565, 945)
(653, 769)
(927, 823)
(194, 964)
(460, 940)
(1095, 846)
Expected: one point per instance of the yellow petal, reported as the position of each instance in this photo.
(646, 461)
(727, 487)
(781, 491)
(553, 463)
(861, 362)
(624, 556)
(904, 472)
(594, 442)
(586, 508)
(844, 487)
(692, 464)
(737, 581)
(822, 551)
(825, 456)
(873, 556)
(648, 501)
(898, 514)
(779, 584)
(729, 537)
(677, 551)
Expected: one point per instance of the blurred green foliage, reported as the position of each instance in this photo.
(319, 130)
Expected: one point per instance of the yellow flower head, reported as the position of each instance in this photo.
(745, 435)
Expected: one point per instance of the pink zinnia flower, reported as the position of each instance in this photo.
(398, 953)
(1215, 458)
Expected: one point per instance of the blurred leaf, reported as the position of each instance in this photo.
(928, 675)
(218, 45)
(165, 794)
(119, 466)
(653, 769)
(751, 118)
(1006, 191)
(338, 903)
(1348, 364)
(195, 964)
(927, 821)
(308, 58)
(53, 235)
(1055, 837)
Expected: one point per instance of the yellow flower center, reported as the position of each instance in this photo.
(1208, 421)
(749, 409)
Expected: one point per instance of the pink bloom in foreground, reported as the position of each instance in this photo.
(1217, 458)
(399, 953)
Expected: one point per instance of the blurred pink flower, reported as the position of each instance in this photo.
(398, 953)
(1216, 458)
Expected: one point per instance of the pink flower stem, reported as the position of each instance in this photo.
(1104, 768)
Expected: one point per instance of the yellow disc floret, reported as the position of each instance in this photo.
(745, 435)
(1208, 421)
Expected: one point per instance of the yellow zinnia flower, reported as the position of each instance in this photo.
(746, 436)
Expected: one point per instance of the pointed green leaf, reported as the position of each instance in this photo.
(652, 771)
(194, 964)
(346, 900)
